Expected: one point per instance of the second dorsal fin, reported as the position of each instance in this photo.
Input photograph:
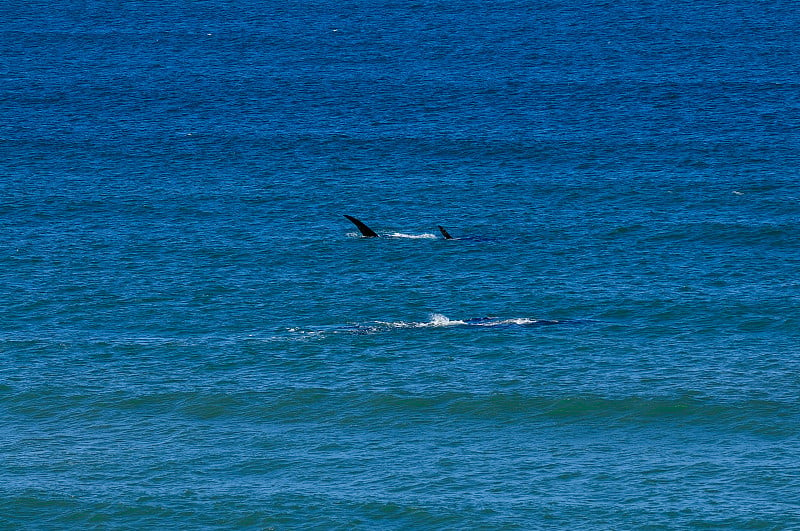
(445, 233)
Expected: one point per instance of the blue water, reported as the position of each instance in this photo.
(192, 336)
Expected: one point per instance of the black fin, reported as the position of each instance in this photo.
(444, 233)
(365, 231)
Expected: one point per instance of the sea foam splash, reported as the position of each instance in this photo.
(436, 320)
(424, 236)
(399, 235)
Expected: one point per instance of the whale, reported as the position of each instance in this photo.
(362, 227)
(367, 232)
(437, 321)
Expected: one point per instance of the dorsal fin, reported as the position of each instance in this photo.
(365, 231)
(444, 233)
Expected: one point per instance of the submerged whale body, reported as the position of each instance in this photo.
(447, 236)
(439, 321)
(362, 227)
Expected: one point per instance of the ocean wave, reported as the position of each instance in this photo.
(77, 341)
(771, 418)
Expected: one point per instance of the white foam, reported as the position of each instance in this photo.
(395, 324)
(426, 236)
(437, 319)
(518, 321)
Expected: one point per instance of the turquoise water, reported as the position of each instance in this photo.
(193, 336)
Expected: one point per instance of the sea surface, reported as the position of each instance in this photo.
(192, 336)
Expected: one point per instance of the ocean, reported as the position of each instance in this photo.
(193, 336)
